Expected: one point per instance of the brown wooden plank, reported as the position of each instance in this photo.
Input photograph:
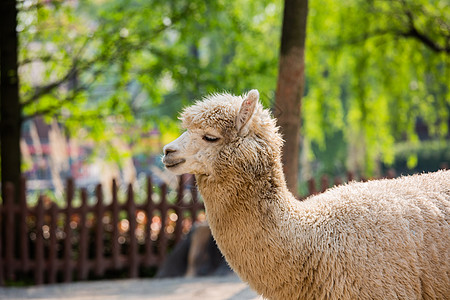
(82, 260)
(350, 176)
(194, 207)
(67, 272)
(23, 213)
(179, 209)
(99, 243)
(52, 251)
(115, 246)
(391, 174)
(324, 183)
(39, 259)
(312, 186)
(149, 208)
(132, 247)
(162, 237)
(337, 181)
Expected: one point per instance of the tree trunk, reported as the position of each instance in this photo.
(290, 86)
(10, 123)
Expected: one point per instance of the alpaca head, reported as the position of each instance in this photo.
(225, 133)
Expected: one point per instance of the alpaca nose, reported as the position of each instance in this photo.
(168, 150)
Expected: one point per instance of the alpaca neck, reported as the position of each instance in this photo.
(255, 197)
(245, 218)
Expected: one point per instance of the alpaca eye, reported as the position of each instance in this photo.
(209, 138)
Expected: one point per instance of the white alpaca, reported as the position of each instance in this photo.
(384, 239)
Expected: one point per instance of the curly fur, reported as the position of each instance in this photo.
(382, 239)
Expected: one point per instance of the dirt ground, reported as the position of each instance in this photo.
(214, 288)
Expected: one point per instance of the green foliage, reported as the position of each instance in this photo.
(371, 78)
(428, 156)
(121, 68)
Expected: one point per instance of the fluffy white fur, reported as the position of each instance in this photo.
(383, 239)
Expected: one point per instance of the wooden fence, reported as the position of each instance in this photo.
(48, 244)
(51, 244)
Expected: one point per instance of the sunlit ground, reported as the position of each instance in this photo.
(211, 288)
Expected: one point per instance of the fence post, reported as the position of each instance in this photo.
(390, 174)
(350, 176)
(23, 213)
(312, 186)
(9, 212)
(149, 207)
(194, 204)
(39, 259)
(68, 232)
(162, 237)
(324, 182)
(99, 212)
(337, 181)
(52, 255)
(179, 209)
(82, 260)
(115, 247)
(132, 254)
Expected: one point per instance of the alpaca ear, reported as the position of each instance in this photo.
(246, 111)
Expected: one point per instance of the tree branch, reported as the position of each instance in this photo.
(46, 89)
(79, 65)
(51, 109)
(355, 40)
(409, 30)
(26, 61)
(54, 108)
(426, 40)
(413, 32)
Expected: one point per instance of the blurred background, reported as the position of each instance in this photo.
(102, 82)
(91, 90)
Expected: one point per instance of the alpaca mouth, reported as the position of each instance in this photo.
(173, 163)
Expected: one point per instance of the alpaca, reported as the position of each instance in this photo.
(382, 239)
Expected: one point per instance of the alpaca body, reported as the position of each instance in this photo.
(343, 244)
(384, 239)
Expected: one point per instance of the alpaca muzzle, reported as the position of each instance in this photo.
(172, 162)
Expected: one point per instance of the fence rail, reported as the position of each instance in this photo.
(56, 244)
